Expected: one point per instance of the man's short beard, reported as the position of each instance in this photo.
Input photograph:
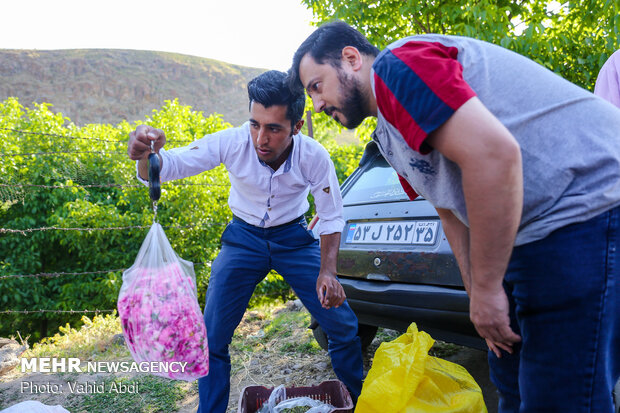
(354, 105)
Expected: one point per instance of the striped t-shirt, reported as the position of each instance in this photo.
(569, 138)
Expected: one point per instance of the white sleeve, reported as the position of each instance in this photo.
(199, 156)
(325, 189)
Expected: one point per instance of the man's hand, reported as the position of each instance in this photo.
(488, 311)
(330, 292)
(139, 145)
(328, 288)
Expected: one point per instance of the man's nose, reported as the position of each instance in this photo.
(318, 103)
(262, 137)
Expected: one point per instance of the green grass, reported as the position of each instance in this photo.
(440, 349)
(138, 394)
(93, 341)
(384, 334)
(443, 350)
(267, 327)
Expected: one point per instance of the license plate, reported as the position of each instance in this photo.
(393, 232)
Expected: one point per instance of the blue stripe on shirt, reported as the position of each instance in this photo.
(423, 105)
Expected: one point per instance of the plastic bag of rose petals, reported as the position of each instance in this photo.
(159, 311)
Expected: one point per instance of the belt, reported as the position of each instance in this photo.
(294, 221)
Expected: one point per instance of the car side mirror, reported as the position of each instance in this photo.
(370, 151)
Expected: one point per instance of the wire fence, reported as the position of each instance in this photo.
(55, 311)
(90, 139)
(164, 184)
(29, 230)
(26, 231)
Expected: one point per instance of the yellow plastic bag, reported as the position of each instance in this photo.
(405, 379)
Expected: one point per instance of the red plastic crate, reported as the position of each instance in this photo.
(333, 392)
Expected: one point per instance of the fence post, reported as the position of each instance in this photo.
(309, 123)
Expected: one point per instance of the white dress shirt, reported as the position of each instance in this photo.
(259, 195)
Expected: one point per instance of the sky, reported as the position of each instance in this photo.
(256, 33)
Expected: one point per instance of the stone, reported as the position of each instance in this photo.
(295, 305)
(117, 340)
(10, 350)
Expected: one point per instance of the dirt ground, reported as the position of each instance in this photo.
(253, 363)
(270, 369)
(312, 370)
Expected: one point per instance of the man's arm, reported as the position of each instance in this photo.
(324, 186)
(490, 162)
(328, 288)
(458, 238)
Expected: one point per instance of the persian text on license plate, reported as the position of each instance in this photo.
(393, 232)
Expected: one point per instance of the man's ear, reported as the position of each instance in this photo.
(352, 57)
(298, 126)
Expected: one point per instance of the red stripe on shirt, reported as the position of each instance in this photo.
(437, 66)
(411, 193)
(397, 115)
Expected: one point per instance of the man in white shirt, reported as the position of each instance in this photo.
(272, 167)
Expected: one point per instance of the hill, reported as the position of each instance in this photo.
(110, 85)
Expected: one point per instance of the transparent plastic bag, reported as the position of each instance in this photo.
(278, 403)
(159, 311)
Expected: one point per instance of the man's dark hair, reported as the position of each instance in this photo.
(271, 88)
(325, 45)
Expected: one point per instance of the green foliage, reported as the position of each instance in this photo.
(77, 168)
(324, 128)
(92, 341)
(572, 38)
(82, 181)
(346, 158)
(272, 288)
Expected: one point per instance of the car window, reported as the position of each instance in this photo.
(378, 183)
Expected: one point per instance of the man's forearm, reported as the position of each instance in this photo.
(458, 237)
(489, 158)
(494, 196)
(329, 252)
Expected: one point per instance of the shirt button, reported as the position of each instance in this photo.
(273, 196)
(390, 153)
(268, 209)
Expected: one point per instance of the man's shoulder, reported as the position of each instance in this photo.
(309, 146)
(238, 132)
(311, 156)
(230, 137)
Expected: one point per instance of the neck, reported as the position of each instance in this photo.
(367, 88)
(275, 165)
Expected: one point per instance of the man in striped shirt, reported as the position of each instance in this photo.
(524, 170)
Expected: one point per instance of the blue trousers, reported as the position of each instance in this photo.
(248, 254)
(564, 294)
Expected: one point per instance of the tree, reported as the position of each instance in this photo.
(572, 38)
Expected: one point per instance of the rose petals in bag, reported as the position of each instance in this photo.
(159, 311)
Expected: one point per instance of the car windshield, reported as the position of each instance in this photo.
(378, 183)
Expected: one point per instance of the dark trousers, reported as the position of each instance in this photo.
(564, 293)
(248, 254)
